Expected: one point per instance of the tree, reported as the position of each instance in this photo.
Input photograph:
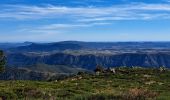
(99, 68)
(2, 61)
(162, 69)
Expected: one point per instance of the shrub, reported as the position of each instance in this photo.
(7, 96)
(28, 92)
(98, 97)
(138, 94)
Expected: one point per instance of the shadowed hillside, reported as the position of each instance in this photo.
(89, 61)
(39, 72)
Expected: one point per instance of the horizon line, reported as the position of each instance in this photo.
(79, 41)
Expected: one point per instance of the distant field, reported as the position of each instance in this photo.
(126, 84)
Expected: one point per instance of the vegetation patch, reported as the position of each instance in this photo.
(124, 84)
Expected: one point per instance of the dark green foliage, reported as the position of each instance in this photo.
(98, 97)
(2, 61)
(99, 68)
(7, 95)
(28, 92)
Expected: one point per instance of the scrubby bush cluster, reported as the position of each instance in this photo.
(126, 84)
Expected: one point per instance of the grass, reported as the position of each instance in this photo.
(126, 84)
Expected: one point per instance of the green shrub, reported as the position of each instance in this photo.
(97, 97)
(28, 92)
(7, 95)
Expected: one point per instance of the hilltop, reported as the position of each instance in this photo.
(125, 84)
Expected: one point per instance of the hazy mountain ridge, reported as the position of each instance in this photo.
(73, 56)
(35, 47)
(77, 45)
(6, 46)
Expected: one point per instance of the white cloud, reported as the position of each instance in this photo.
(66, 26)
(80, 17)
(117, 12)
(54, 29)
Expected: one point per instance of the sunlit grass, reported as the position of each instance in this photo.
(135, 84)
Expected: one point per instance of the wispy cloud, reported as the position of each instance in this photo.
(51, 29)
(138, 11)
(66, 26)
(79, 17)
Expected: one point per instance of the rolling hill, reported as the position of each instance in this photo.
(73, 56)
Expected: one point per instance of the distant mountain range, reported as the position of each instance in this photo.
(5, 46)
(74, 56)
(40, 47)
(90, 61)
(76, 45)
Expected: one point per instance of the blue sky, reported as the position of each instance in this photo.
(84, 20)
